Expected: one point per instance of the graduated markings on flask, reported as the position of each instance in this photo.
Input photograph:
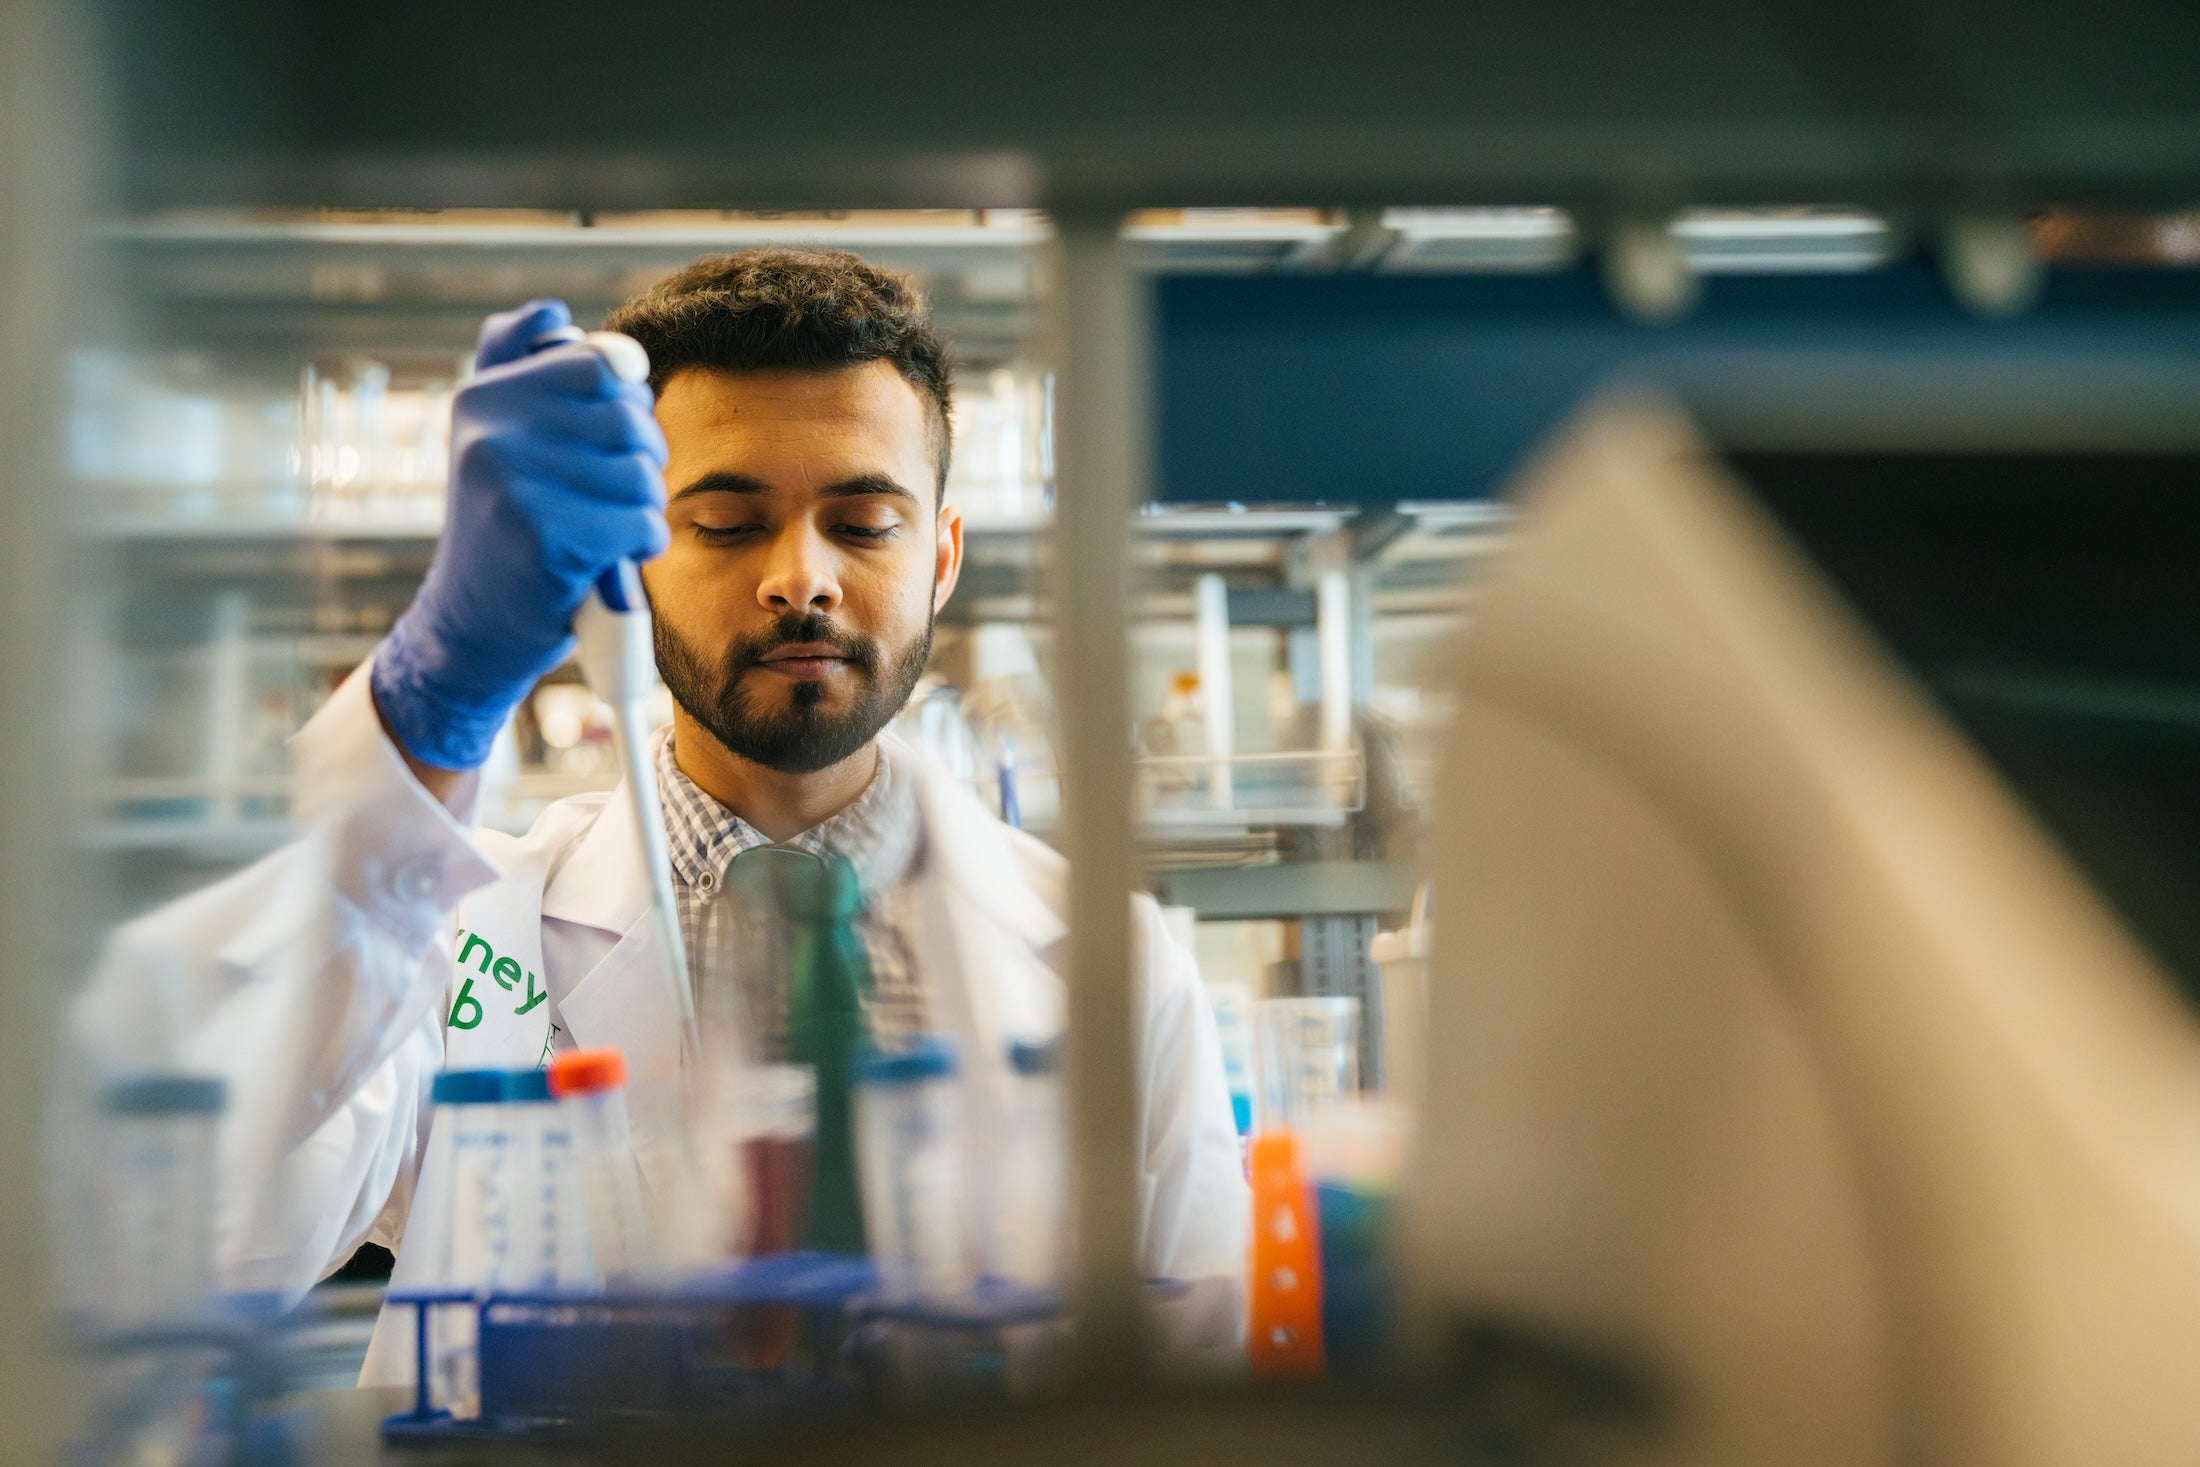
(466, 1011)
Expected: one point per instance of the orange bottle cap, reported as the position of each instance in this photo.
(587, 1071)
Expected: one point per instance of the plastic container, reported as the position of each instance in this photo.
(157, 1199)
(1233, 1009)
(470, 1154)
(1283, 1319)
(550, 1242)
(1306, 1053)
(1030, 1223)
(1354, 1154)
(589, 1086)
(151, 1275)
(909, 1139)
(771, 1113)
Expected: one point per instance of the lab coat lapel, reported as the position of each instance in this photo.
(603, 880)
(987, 943)
(983, 933)
(622, 1004)
(970, 849)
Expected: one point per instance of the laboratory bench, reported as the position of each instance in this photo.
(1515, 1419)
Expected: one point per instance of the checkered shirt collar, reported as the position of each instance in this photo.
(878, 833)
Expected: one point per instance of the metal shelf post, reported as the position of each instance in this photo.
(1102, 464)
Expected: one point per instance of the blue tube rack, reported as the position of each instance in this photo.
(548, 1362)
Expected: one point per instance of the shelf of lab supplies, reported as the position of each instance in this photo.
(1168, 522)
(123, 789)
(415, 287)
(210, 842)
(1711, 241)
(1169, 845)
(198, 839)
(1431, 524)
(358, 569)
(423, 525)
(1239, 521)
(418, 285)
(239, 819)
(159, 529)
(1289, 889)
(1284, 788)
(198, 803)
(1475, 239)
(1479, 240)
(1185, 239)
(684, 232)
(1193, 240)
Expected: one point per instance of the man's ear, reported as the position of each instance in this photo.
(947, 569)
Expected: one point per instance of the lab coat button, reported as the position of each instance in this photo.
(415, 881)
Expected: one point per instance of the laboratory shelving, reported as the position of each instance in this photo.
(360, 575)
(1327, 609)
(255, 577)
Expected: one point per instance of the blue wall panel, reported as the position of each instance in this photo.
(1374, 388)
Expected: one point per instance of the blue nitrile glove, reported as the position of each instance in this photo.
(557, 472)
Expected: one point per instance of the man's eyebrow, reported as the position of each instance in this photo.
(722, 483)
(728, 482)
(866, 484)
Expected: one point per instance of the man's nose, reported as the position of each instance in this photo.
(799, 573)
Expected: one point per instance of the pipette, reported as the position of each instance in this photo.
(618, 656)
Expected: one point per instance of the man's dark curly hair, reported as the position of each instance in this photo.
(775, 308)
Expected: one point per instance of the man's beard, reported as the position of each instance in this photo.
(802, 738)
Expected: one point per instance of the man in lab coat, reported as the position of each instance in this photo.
(782, 477)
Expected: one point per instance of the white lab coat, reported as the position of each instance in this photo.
(322, 982)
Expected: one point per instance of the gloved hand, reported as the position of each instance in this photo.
(557, 472)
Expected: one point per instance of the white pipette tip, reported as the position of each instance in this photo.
(627, 358)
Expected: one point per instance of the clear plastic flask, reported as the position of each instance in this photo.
(151, 1225)
(590, 1087)
(1030, 1222)
(470, 1162)
(1306, 1054)
(909, 1140)
(549, 1247)
(157, 1199)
